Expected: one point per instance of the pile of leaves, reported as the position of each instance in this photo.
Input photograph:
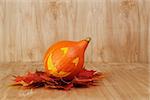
(41, 79)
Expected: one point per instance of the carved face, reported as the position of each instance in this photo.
(65, 59)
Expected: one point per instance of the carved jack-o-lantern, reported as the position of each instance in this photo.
(65, 58)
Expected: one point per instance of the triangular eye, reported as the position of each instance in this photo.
(65, 50)
(75, 61)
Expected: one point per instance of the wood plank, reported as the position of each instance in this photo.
(119, 28)
(123, 82)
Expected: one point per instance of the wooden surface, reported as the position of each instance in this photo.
(119, 29)
(124, 82)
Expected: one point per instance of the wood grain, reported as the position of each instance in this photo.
(119, 29)
(123, 82)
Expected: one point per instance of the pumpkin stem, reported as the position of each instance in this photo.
(88, 39)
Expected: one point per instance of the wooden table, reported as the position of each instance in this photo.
(124, 82)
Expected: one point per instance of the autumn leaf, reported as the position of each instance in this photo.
(41, 79)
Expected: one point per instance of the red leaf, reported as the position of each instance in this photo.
(42, 79)
(18, 78)
(30, 77)
(86, 73)
(69, 86)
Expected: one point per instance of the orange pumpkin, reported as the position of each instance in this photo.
(65, 58)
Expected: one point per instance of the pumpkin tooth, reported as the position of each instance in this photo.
(76, 61)
(60, 74)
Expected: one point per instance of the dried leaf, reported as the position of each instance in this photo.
(86, 73)
(41, 79)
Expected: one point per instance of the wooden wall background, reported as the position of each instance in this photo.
(120, 29)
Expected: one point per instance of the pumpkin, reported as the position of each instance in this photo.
(65, 59)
